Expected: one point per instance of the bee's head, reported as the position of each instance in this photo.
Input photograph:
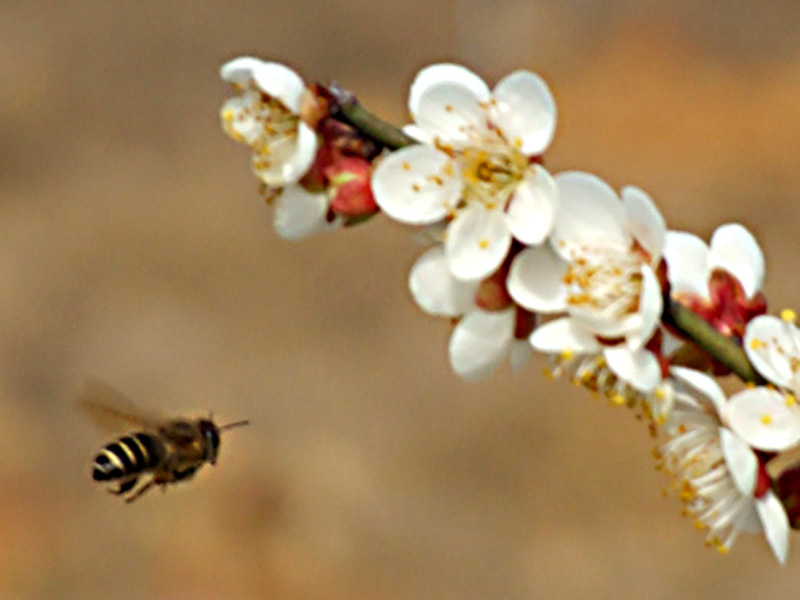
(210, 434)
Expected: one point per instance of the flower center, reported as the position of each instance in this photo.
(262, 122)
(491, 169)
(606, 282)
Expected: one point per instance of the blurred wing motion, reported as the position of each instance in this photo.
(112, 411)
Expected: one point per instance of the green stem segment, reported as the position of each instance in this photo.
(720, 347)
(359, 117)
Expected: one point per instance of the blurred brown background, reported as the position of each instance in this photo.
(134, 247)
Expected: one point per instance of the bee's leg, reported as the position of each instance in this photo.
(124, 486)
(140, 491)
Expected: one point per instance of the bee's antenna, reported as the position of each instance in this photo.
(232, 425)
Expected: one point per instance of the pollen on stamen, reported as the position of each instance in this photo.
(791, 400)
(517, 143)
(788, 315)
(415, 187)
(756, 344)
(449, 107)
(766, 419)
(406, 166)
(484, 244)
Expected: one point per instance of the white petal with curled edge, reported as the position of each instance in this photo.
(533, 207)
(564, 334)
(590, 213)
(298, 213)
(762, 418)
(640, 369)
(434, 288)
(776, 524)
(480, 342)
(687, 263)
(240, 70)
(644, 221)
(418, 133)
(289, 158)
(773, 346)
(477, 243)
(702, 383)
(445, 72)
(280, 82)
(741, 461)
(536, 280)
(651, 304)
(417, 185)
(520, 354)
(734, 249)
(525, 111)
(452, 113)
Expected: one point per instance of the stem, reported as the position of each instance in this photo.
(720, 347)
(359, 117)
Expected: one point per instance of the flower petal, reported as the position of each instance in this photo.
(532, 211)
(564, 335)
(776, 524)
(417, 185)
(644, 221)
(702, 383)
(773, 346)
(434, 288)
(274, 79)
(763, 418)
(525, 111)
(638, 368)
(477, 242)
(734, 249)
(687, 262)
(589, 213)
(298, 213)
(520, 354)
(452, 113)
(535, 280)
(240, 70)
(480, 342)
(651, 304)
(445, 72)
(741, 461)
(288, 158)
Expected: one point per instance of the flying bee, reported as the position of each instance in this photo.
(169, 450)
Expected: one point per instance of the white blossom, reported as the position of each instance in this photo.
(473, 167)
(600, 270)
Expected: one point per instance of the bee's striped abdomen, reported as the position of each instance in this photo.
(127, 456)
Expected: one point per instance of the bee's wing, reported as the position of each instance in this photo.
(113, 411)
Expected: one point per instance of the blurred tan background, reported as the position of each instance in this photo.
(134, 247)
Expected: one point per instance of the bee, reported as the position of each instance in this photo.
(168, 450)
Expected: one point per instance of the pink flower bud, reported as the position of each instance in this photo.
(349, 187)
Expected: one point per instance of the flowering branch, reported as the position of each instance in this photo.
(522, 261)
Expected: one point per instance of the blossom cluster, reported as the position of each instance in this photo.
(522, 260)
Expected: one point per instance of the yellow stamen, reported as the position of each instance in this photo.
(766, 419)
(787, 314)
